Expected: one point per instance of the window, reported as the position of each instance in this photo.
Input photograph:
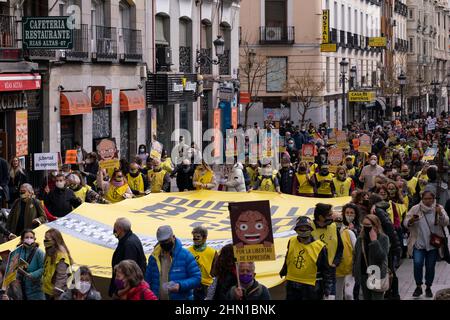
(335, 15)
(336, 74)
(349, 27)
(162, 25)
(361, 21)
(327, 74)
(356, 22)
(276, 13)
(411, 45)
(411, 13)
(125, 15)
(101, 123)
(276, 74)
(425, 48)
(342, 17)
(367, 25)
(98, 13)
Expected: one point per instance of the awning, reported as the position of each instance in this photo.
(73, 103)
(20, 81)
(381, 102)
(131, 100)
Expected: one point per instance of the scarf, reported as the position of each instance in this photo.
(426, 209)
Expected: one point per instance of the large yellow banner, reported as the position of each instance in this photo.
(88, 230)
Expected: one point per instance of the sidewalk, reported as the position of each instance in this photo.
(407, 283)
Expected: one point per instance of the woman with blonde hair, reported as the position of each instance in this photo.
(370, 253)
(17, 177)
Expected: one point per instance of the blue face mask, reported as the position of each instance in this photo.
(246, 278)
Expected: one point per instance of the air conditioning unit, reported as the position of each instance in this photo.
(273, 33)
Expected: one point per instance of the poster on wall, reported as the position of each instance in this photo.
(21, 133)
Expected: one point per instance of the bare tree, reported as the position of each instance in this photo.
(305, 90)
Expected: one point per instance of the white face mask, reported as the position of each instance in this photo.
(350, 218)
(60, 184)
(373, 162)
(28, 241)
(85, 286)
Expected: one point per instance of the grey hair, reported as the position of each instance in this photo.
(201, 230)
(28, 187)
(74, 178)
(251, 263)
(124, 224)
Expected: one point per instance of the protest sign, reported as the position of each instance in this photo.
(355, 143)
(430, 154)
(308, 152)
(156, 150)
(109, 164)
(11, 268)
(335, 157)
(365, 144)
(251, 229)
(71, 157)
(45, 161)
(332, 136)
(341, 139)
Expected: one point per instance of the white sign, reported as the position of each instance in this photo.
(190, 86)
(177, 87)
(45, 161)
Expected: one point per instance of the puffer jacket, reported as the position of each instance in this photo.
(141, 292)
(33, 286)
(236, 181)
(184, 271)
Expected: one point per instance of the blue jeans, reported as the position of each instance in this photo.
(420, 257)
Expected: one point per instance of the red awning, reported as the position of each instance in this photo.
(73, 103)
(20, 81)
(131, 100)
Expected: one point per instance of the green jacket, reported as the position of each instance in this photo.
(33, 210)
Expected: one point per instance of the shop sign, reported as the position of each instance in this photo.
(47, 33)
(361, 96)
(98, 97)
(325, 26)
(377, 42)
(13, 101)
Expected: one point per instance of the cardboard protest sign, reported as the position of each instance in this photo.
(430, 154)
(107, 151)
(71, 157)
(341, 139)
(355, 143)
(251, 229)
(335, 157)
(308, 152)
(365, 144)
(11, 268)
(332, 137)
(45, 161)
(156, 150)
(109, 164)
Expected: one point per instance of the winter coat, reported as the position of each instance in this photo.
(141, 292)
(236, 181)
(61, 202)
(255, 292)
(388, 228)
(33, 286)
(91, 295)
(184, 179)
(129, 248)
(33, 210)
(14, 185)
(4, 179)
(184, 270)
(286, 178)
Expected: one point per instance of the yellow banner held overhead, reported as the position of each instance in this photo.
(328, 47)
(361, 96)
(325, 26)
(88, 230)
(377, 42)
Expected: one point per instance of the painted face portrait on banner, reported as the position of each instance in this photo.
(106, 149)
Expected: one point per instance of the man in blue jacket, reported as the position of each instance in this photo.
(172, 271)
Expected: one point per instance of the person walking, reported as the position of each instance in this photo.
(204, 178)
(17, 177)
(369, 172)
(425, 222)
(136, 180)
(130, 283)
(172, 271)
(61, 200)
(128, 248)
(236, 181)
(371, 249)
(184, 173)
(158, 178)
(117, 189)
(225, 274)
(86, 289)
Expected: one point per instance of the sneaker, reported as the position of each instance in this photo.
(418, 292)
(428, 292)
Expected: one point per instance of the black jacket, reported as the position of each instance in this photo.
(91, 170)
(286, 179)
(61, 202)
(395, 248)
(14, 185)
(129, 248)
(184, 179)
(4, 179)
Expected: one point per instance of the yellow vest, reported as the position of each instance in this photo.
(115, 194)
(303, 184)
(412, 185)
(313, 168)
(351, 172)
(136, 183)
(346, 265)
(157, 180)
(252, 174)
(205, 178)
(301, 261)
(401, 210)
(49, 271)
(167, 165)
(381, 161)
(342, 188)
(325, 188)
(81, 194)
(422, 177)
(267, 184)
(328, 236)
(204, 260)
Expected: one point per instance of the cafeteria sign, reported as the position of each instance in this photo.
(47, 33)
(361, 96)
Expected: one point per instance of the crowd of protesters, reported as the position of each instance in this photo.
(398, 210)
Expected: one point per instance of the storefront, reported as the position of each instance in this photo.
(73, 106)
(101, 100)
(130, 102)
(14, 102)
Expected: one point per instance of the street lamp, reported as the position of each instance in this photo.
(402, 80)
(353, 76)
(202, 58)
(344, 66)
(435, 83)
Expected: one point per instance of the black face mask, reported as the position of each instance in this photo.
(302, 169)
(365, 203)
(167, 246)
(349, 166)
(367, 232)
(324, 172)
(134, 175)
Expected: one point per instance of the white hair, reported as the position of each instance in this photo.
(28, 187)
(74, 178)
(124, 224)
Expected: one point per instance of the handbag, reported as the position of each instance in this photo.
(445, 250)
(435, 240)
(385, 283)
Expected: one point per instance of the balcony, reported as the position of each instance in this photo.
(8, 32)
(277, 35)
(40, 54)
(224, 66)
(185, 59)
(350, 40)
(356, 41)
(342, 38)
(333, 36)
(206, 68)
(80, 51)
(131, 45)
(104, 44)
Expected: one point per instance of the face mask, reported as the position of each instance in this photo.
(85, 286)
(119, 284)
(48, 243)
(341, 177)
(302, 169)
(167, 246)
(246, 278)
(134, 171)
(200, 247)
(349, 166)
(60, 184)
(118, 183)
(159, 167)
(116, 234)
(290, 145)
(304, 234)
(141, 150)
(106, 178)
(88, 161)
(373, 162)
(350, 218)
(267, 171)
(404, 174)
(28, 241)
(339, 224)
(392, 193)
(324, 172)
(285, 165)
(367, 231)
(73, 186)
(23, 195)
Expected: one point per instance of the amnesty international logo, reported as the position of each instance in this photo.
(300, 260)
